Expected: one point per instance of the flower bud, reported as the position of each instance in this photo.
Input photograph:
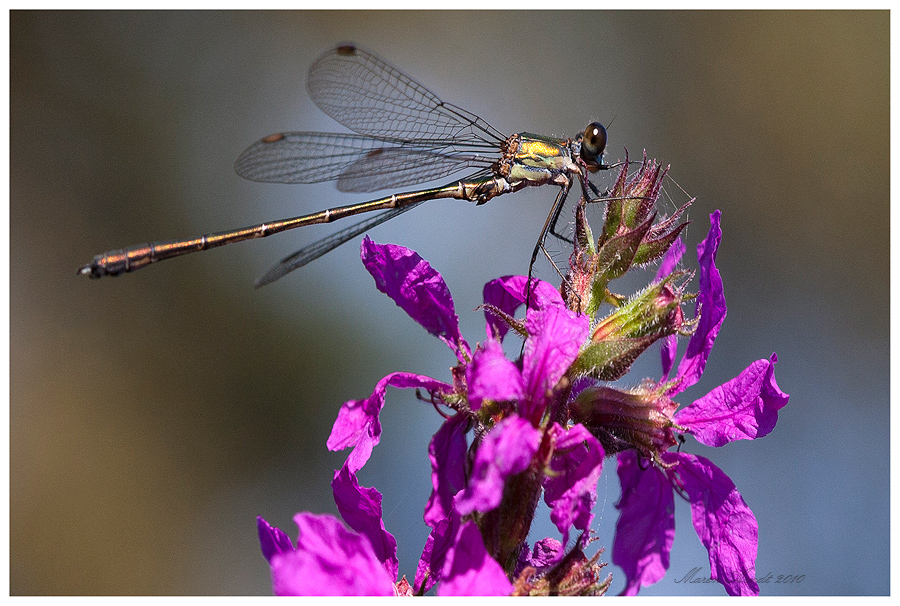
(623, 335)
(629, 237)
(638, 418)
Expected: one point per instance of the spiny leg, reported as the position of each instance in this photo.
(554, 213)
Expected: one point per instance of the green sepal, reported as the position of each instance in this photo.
(610, 360)
(651, 250)
(617, 255)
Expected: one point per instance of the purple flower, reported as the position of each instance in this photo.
(744, 408)
(542, 425)
(329, 559)
(511, 441)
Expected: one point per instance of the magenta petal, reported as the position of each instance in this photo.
(490, 376)
(357, 425)
(570, 487)
(724, 523)
(506, 450)
(271, 539)
(361, 509)
(744, 408)
(447, 451)
(646, 526)
(329, 560)
(469, 570)
(710, 304)
(546, 551)
(415, 287)
(555, 336)
(671, 259)
(670, 344)
(508, 293)
(435, 553)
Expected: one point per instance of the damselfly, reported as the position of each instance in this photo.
(404, 135)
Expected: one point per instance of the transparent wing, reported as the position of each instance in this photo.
(315, 250)
(398, 166)
(359, 163)
(370, 97)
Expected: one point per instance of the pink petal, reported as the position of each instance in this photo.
(724, 523)
(415, 287)
(490, 376)
(646, 526)
(570, 488)
(710, 304)
(469, 570)
(357, 425)
(744, 408)
(360, 508)
(329, 560)
(506, 450)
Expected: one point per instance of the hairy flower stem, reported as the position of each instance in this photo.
(505, 528)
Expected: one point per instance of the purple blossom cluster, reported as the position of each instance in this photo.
(542, 425)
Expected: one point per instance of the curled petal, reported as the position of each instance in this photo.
(724, 523)
(360, 508)
(646, 526)
(570, 488)
(271, 539)
(329, 560)
(415, 287)
(710, 305)
(469, 570)
(508, 293)
(435, 553)
(447, 451)
(506, 450)
(744, 408)
(357, 425)
(490, 376)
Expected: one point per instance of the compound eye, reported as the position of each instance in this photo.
(593, 143)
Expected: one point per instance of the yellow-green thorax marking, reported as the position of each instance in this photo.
(530, 159)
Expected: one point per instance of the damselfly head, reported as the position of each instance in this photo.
(593, 143)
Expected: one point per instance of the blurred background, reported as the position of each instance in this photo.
(154, 415)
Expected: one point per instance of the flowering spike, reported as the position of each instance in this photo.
(542, 424)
